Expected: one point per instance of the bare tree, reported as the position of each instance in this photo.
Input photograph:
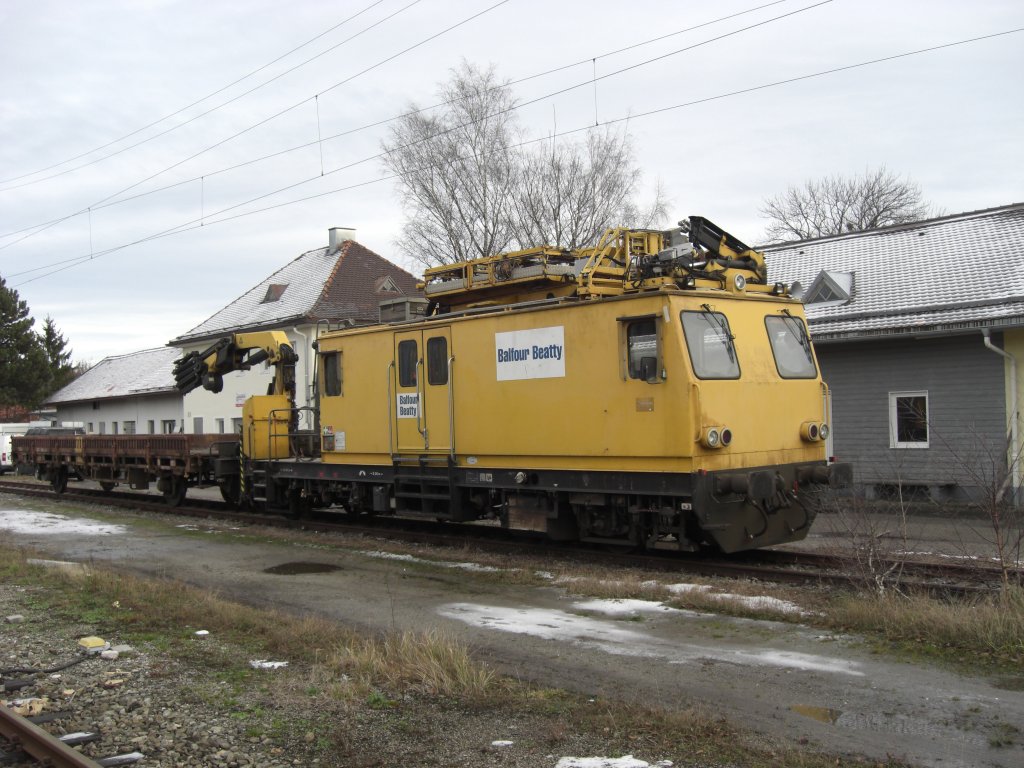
(457, 170)
(470, 189)
(569, 194)
(837, 204)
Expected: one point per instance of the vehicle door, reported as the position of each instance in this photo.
(422, 415)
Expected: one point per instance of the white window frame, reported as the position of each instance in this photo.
(894, 442)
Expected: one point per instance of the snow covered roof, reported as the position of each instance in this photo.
(347, 284)
(942, 275)
(148, 372)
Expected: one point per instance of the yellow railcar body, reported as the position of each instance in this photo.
(582, 411)
(644, 392)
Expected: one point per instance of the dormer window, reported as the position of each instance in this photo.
(274, 292)
(830, 288)
(386, 284)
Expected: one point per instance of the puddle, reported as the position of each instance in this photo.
(878, 722)
(821, 714)
(610, 636)
(296, 569)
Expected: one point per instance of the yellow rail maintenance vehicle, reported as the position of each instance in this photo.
(652, 391)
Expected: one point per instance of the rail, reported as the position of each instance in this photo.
(39, 744)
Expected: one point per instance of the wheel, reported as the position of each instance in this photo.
(176, 490)
(59, 479)
(107, 485)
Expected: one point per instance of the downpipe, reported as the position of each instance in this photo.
(1014, 453)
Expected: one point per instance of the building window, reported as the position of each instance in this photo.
(274, 293)
(236, 425)
(908, 419)
(88, 427)
(220, 426)
(197, 425)
(150, 427)
(103, 427)
(113, 427)
(129, 427)
(167, 426)
(642, 349)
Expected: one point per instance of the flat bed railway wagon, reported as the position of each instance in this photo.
(648, 392)
(172, 462)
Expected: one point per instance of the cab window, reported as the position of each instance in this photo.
(710, 345)
(332, 374)
(791, 347)
(642, 349)
(407, 358)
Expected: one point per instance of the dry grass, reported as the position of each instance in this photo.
(430, 662)
(990, 628)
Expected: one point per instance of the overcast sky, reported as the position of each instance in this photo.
(80, 75)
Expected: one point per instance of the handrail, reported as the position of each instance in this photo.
(421, 402)
(392, 447)
(451, 408)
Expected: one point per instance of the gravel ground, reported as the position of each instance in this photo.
(175, 714)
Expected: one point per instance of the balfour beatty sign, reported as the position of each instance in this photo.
(538, 353)
(408, 405)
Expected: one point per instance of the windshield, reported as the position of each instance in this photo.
(791, 347)
(710, 344)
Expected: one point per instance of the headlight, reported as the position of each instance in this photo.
(716, 437)
(823, 431)
(810, 431)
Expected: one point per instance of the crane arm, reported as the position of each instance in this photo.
(239, 352)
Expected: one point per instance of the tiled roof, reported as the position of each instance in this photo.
(140, 373)
(962, 271)
(318, 285)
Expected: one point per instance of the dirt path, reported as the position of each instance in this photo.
(788, 681)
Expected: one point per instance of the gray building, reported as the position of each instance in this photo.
(919, 329)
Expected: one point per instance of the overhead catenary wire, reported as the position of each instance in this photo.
(527, 103)
(107, 202)
(207, 96)
(271, 117)
(214, 109)
(191, 225)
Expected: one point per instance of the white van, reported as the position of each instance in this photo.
(7, 431)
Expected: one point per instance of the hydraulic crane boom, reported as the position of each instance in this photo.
(239, 352)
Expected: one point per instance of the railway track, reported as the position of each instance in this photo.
(24, 742)
(789, 567)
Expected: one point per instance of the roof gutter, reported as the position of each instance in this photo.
(1013, 455)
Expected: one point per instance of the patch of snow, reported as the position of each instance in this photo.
(264, 664)
(202, 632)
(46, 523)
(626, 761)
(439, 563)
(762, 603)
(502, 743)
(619, 607)
(680, 589)
(613, 638)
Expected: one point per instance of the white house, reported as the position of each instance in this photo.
(342, 284)
(124, 394)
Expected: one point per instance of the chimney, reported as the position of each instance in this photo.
(338, 235)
